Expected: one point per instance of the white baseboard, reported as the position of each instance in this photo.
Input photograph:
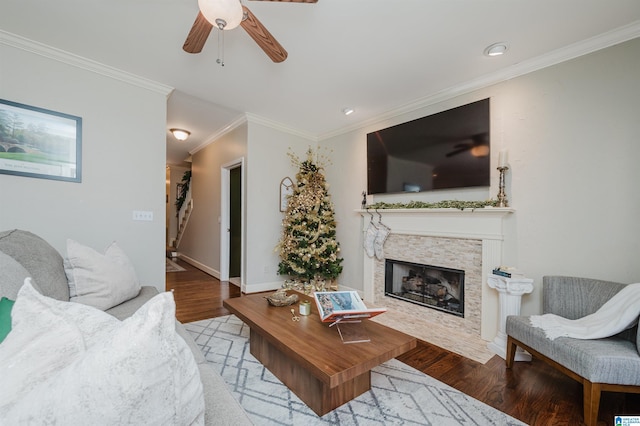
(268, 286)
(200, 266)
(257, 288)
(247, 288)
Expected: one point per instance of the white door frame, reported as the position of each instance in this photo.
(225, 219)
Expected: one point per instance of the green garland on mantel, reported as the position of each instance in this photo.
(447, 204)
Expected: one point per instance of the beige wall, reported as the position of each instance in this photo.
(572, 134)
(123, 158)
(264, 150)
(201, 241)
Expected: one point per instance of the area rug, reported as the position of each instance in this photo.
(172, 266)
(399, 395)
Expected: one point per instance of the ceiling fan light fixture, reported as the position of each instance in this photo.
(496, 49)
(223, 14)
(180, 134)
(480, 151)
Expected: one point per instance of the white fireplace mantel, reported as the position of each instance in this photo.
(484, 224)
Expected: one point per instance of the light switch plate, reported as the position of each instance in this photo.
(142, 215)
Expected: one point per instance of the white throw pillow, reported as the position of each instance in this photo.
(100, 280)
(75, 365)
(46, 336)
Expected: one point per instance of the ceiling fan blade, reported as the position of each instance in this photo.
(265, 40)
(456, 152)
(198, 35)
(459, 149)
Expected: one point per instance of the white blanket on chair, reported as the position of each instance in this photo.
(617, 314)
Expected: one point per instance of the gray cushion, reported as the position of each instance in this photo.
(197, 353)
(126, 309)
(12, 275)
(42, 261)
(612, 360)
(574, 297)
(221, 408)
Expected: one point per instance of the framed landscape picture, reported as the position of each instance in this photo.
(40, 143)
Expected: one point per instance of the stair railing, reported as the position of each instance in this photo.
(183, 219)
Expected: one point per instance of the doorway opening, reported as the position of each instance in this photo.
(231, 223)
(235, 221)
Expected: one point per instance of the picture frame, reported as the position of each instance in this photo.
(40, 143)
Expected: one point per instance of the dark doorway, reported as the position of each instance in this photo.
(235, 221)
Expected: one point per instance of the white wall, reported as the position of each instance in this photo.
(201, 241)
(267, 165)
(123, 158)
(572, 134)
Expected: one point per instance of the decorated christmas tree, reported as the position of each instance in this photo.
(308, 248)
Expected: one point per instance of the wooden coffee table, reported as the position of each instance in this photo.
(309, 357)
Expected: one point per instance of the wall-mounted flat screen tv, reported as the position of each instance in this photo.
(446, 150)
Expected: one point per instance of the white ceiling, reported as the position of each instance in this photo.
(377, 56)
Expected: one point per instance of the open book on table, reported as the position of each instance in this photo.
(336, 306)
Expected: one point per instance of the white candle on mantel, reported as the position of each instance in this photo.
(502, 158)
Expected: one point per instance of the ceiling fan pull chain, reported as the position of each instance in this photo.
(220, 59)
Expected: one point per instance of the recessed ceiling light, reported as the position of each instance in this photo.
(348, 111)
(496, 49)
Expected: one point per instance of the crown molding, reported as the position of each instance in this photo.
(572, 51)
(253, 118)
(557, 56)
(220, 133)
(18, 42)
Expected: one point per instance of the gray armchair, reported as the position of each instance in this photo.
(609, 364)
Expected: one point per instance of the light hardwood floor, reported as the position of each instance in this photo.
(531, 392)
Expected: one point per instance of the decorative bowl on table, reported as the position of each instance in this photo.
(280, 298)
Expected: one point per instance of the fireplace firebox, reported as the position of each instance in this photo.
(430, 286)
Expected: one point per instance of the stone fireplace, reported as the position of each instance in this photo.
(453, 240)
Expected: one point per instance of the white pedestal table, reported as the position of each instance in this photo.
(510, 291)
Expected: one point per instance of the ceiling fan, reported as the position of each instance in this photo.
(478, 145)
(228, 14)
